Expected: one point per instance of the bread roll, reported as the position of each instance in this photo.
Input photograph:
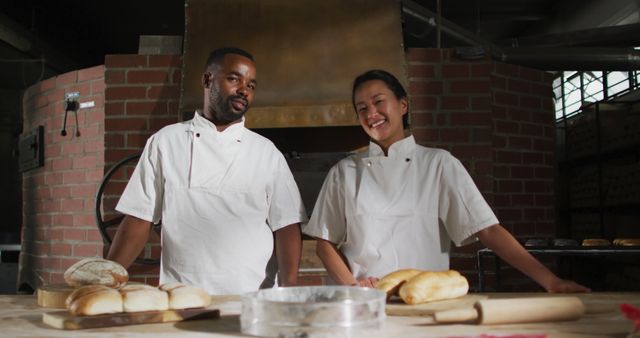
(434, 285)
(565, 242)
(136, 298)
(186, 296)
(100, 301)
(391, 282)
(595, 242)
(96, 271)
(626, 241)
(83, 291)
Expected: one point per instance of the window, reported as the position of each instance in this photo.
(574, 89)
(617, 82)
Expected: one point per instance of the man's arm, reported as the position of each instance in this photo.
(129, 240)
(507, 248)
(337, 267)
(288, 251)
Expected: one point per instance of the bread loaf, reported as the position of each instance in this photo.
(391, 282)
(141, 297)
(99, 299)
(96, 271)
(95, 301)
(83, 291)
(434, 285)
(185, 296)
(626, 241)
(595, 242)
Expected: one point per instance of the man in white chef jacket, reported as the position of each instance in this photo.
(220, 190)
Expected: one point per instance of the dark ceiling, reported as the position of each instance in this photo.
(74, 34)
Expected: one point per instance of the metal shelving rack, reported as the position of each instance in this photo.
(596, 152)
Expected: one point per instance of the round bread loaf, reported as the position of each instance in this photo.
(185, 296)
(434, 285)
(392, 282)
(96, 271)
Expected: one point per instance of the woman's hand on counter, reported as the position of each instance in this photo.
(566, 286)
(367, 282)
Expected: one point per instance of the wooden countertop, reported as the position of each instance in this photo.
(20, 316)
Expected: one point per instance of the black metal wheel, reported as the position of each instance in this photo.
(105, 224)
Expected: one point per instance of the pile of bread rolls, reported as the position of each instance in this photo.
(102, 288)
(417, 286)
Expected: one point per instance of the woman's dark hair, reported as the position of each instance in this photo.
(392, 83)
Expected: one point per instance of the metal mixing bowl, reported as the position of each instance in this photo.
(312, 311)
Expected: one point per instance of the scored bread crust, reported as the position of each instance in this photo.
(392, 282)
(96, 271)
(83, 291)
(170, 286)
(434, 285)
(185, 296)
(99, 302)
(136, 298)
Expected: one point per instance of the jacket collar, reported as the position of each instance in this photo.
(201, 124)
(400, 149)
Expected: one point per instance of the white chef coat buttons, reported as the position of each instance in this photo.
(368, 164)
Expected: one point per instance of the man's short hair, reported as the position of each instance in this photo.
(218, 54)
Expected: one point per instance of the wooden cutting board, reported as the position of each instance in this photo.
(64, 320)
(396, 307)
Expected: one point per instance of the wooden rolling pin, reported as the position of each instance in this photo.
(515, 310)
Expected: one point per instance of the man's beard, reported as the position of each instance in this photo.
(223, 110)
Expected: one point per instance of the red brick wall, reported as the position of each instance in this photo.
(58, 199)
(135, 96)
(498, 119)
(142, 96)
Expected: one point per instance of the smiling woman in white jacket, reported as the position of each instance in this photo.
(399, 205)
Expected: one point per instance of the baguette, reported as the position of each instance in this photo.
(392, 282)
(185, 296)
(434, 285)
(96, 271)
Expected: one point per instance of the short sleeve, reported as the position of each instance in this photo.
(285, 203)
(142, 198)
(328, 220)
(462, 208)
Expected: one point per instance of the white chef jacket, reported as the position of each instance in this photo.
(398, 211)
(220, 196)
